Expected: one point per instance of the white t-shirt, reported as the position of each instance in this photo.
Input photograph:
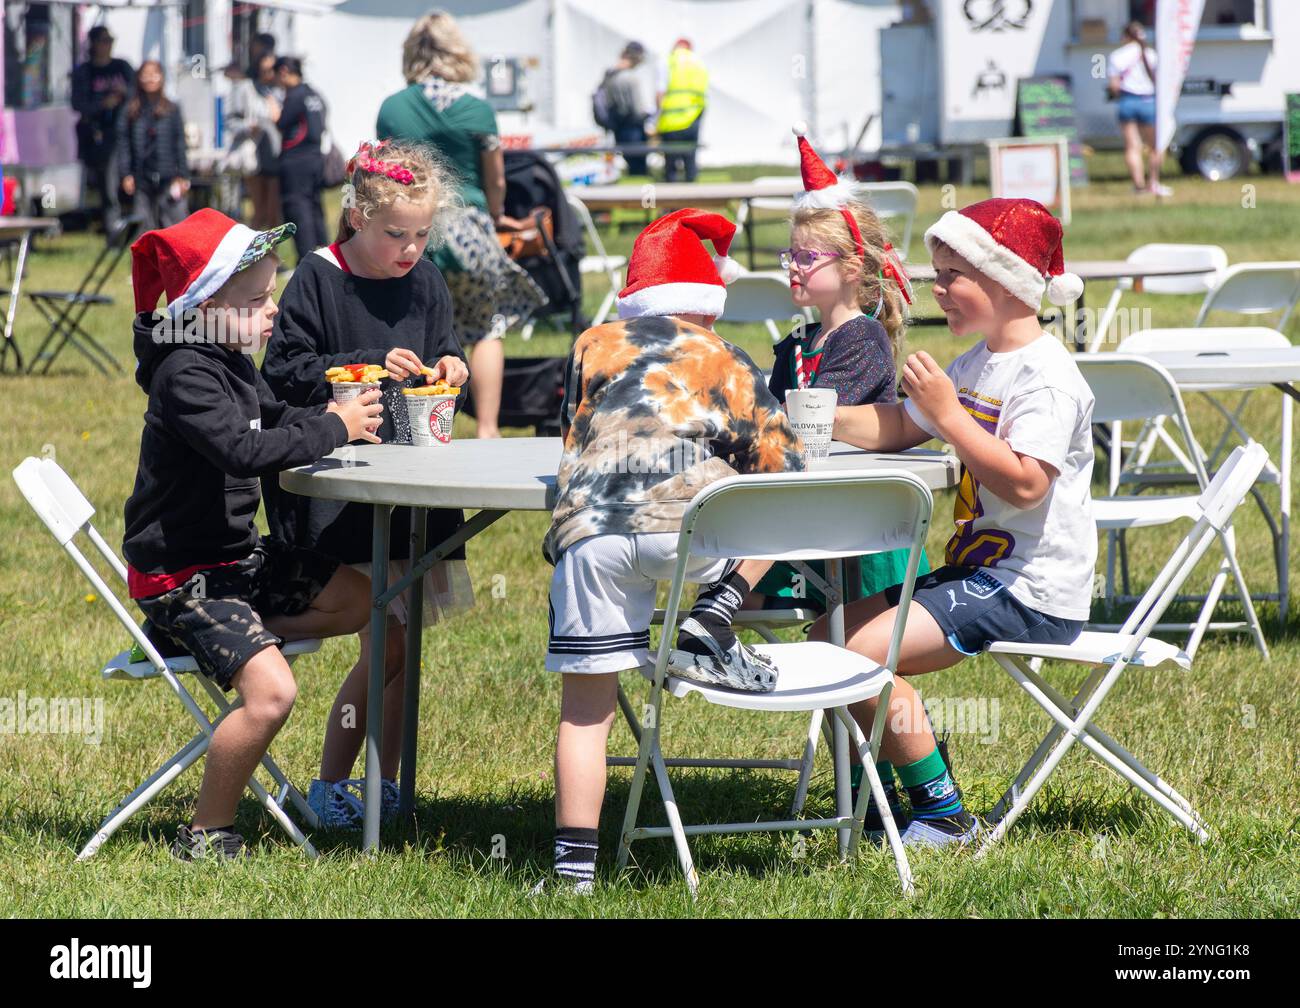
(1036, 400)
(1126, 64)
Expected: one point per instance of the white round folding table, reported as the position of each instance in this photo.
(496, 477)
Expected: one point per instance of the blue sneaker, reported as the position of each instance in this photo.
(959, 831)
(334, 805)
(390, 794)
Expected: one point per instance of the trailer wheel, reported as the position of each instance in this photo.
(1216, 154)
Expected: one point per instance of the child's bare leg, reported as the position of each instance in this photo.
(586, 714)
(267, 688)
(342, 607)
(346, 728)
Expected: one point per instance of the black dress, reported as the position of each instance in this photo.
(329, 317)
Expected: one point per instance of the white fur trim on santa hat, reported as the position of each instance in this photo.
(220, 268)
(831, 198)
(728, 268)
(981, 250)
(674, 299)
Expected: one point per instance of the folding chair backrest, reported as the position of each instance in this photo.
(1217, 502)
(1257, 288)
(1203, 338)
(1189, 256)
(588, 225)
(64, 509)
(757, 298)
(893, 199)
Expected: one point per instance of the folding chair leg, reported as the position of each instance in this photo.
(181, 761)
(647, 740)
(806, 768)
(674, 819)
(866, 752)
(281, 817)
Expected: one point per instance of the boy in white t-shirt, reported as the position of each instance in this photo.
(1019, 416)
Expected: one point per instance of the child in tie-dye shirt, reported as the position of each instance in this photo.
(657, 407)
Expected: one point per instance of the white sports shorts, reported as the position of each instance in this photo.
(603, 596)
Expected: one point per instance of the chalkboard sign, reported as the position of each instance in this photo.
(1045, 107)
(1291, 137)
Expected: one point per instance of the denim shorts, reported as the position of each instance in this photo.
(1137, 108)
(975, 609)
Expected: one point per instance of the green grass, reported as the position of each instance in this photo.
(1224, 734)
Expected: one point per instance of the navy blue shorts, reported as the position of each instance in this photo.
(975, 609)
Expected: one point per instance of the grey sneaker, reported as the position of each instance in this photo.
(203, 845)
(738, 667)
(334, 804)
(921, 833)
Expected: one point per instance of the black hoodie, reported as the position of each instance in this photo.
(211, 429)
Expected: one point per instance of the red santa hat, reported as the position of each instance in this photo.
(192, 260)
(823, 189)
(1015, 242)
(672, 273)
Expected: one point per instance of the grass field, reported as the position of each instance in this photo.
(1224, 734)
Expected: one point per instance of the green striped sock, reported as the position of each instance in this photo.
(931, 788)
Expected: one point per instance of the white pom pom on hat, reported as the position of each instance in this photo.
(1064, 289)
(728, 268)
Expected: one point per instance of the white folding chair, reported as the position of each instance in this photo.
(1210, 257)
(840, 515)
(601, 261)
(1255, 288)
(1139, 470)
(1111, 654)
(894, 201)
(762, 297)
(66, 512)
(1130, 387)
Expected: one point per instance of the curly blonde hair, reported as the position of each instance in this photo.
(830, 232)
(435, 47)
(382, 172)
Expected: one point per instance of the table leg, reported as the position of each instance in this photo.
(375, 689)
(840, 734)
(414, 640)
(12, 309)
(749, 230)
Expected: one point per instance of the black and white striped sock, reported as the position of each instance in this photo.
(714, 609)
(575, 854)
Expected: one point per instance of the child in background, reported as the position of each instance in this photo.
(151, 152)
(207, 582)
(656, 408)
(372, 297)
(1019, 415)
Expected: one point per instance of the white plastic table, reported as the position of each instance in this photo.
(20, 229)
(495, 477)
(1229, 369)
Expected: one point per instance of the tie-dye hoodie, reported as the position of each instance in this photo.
(655, 410)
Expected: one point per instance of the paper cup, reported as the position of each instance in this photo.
(431, 417)
(346, 390)
(812, 415)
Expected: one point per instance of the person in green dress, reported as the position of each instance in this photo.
(443, 107)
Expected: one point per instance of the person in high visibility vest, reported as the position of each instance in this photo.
(682, 98)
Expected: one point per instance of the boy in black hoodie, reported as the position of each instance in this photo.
(207, 582)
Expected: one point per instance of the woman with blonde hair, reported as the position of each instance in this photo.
(442, 106)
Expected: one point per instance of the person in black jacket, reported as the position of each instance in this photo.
(301, 124)
(206, 581)
(101, 88)
(151, 151)
(372, 297)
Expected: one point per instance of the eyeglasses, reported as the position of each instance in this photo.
(803, 258)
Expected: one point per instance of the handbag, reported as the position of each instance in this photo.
(530, 240)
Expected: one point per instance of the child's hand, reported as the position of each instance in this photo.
(929, 387)
(402, 363)
(452, 370)
(361, 415)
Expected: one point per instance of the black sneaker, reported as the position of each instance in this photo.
(201, 845)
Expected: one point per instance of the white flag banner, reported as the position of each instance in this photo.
(1177, 22)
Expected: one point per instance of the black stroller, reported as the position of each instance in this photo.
(533, 387)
